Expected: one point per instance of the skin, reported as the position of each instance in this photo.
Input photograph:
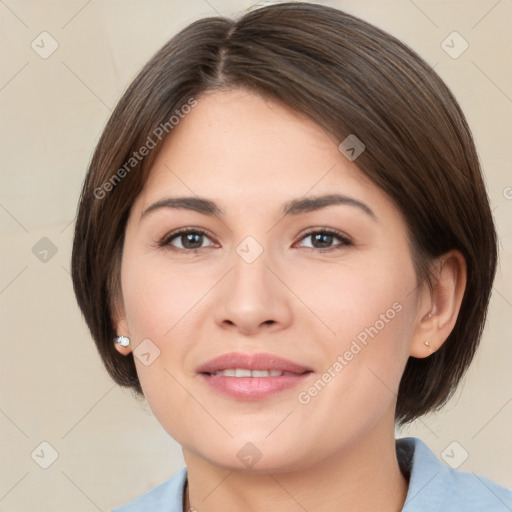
(300, 300)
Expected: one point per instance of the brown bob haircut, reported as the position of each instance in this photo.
(351, 78)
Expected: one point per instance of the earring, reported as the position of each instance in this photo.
(122, 340)
(427, 344)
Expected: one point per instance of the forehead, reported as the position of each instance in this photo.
(238, 146)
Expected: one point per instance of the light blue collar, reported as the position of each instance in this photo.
(433, 487)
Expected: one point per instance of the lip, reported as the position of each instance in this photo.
(252, 388)
(256, 361)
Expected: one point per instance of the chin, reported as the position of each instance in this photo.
(255, 455)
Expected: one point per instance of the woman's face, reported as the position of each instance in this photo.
(329, 286)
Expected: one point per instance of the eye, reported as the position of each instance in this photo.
(190, 239)
(324, 239)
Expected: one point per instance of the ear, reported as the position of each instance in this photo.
(121, 327)
(440, 306)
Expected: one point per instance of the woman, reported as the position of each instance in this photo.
(285, 244)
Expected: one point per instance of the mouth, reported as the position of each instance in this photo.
(250, 377)
(245, 372)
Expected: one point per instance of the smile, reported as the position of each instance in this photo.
(250, 377)
(244, 372)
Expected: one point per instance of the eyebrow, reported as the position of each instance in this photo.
(293, 207)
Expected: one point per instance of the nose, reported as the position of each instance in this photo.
(253, 297)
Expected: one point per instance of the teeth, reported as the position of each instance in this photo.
(244, 372)
(263, 373)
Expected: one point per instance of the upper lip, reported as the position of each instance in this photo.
(256, 361)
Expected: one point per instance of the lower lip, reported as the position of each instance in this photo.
(253, 388)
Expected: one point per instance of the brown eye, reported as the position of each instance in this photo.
(190, 239)
(324, 239)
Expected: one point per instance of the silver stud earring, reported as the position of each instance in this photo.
(122, 340)
(427, 343)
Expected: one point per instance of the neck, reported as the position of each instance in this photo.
(363, 478)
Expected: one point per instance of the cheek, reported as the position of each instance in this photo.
(364, 362)
(357, 297)
(158, 299)
(370, 308)
(163, 305)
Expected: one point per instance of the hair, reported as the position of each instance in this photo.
(348, 76)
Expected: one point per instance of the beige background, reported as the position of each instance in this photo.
(53, 386)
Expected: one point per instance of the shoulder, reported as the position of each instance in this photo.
(436, 487)
(167, 496)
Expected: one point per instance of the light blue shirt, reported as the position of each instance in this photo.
(433, 487)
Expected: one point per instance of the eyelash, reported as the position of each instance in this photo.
(344, 241)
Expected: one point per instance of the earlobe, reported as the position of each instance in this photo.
(122, 344)
(122, 339)
(421, 349)
(439, 315)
